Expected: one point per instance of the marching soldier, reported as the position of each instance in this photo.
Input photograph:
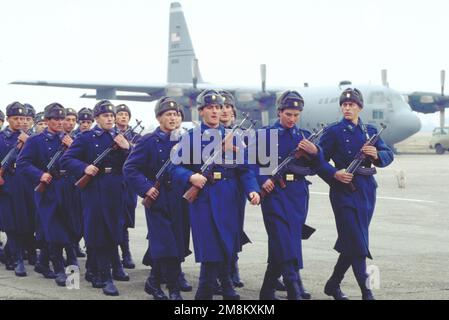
(353, 210)
(123, 116)
(52, 205)
(214, 215)
(103, 199)
(40, 122)
(13, 207)
(29, 118)
(85, 121)
(72, 197)
(285, 207)
(227, 119)
(168, 242)
(28, 189)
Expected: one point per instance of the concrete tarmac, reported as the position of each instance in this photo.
(409, 239)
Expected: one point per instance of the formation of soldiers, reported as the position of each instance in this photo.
(59, 185)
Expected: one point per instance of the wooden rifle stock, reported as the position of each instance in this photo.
(84, 181)
(147, 201)
(41, 187)
(192, 194)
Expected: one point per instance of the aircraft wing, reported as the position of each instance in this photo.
(427, 102)
(149, 92)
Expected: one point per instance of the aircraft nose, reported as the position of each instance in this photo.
(404, 125)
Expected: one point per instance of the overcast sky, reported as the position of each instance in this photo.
(319, 41)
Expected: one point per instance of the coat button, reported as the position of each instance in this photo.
(96, 145)
(347, 140)
(349, 152)
(49, 148)
(160, 150)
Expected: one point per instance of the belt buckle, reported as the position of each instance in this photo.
(107, 170)
(62, 172)
(289, 177)
(217, 175)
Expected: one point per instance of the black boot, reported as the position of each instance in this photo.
(118, 273)
(332, 288)
(235, 275)
(43, 264)
(78, 251)
(367, 294)
(174, 294)
(208, 277)
(184, 285)
(153, 288)
(61, 277)
(268, 290)
(229, 292)
(293, 292)
(99, 281)
(110, 289)
(305, 295)
(20, 270)
(127, 261)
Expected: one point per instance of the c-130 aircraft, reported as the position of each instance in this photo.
(184, 83)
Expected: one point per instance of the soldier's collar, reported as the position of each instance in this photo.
(99, 131)
(348, 124)
(8, 132)
(51, 136)
(293, 130)
(205, 127)
(161, 134)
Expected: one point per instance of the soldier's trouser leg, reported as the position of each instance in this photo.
(128, 262)
(56, 251)
(332, 287)
(10, 259)
(235, 274)
(16, 244)
(290, 276)
(268, 290)
(208, 276)
(171, 269)
(118, 273)
(30, 246)
(91, 265)
(153, 282)
(224, 275)
(43, 262)
(304, 293)
(359, 269)
(104, 258)
(71, 255)
(342, 265)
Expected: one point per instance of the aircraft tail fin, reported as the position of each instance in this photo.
(180, 49)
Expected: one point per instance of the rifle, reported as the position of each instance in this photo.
(297, 153)
(361, 157)
(85, 179)
(133, 140)
(147, 201)
(43, 185)
(12, 155)
(206, 169)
